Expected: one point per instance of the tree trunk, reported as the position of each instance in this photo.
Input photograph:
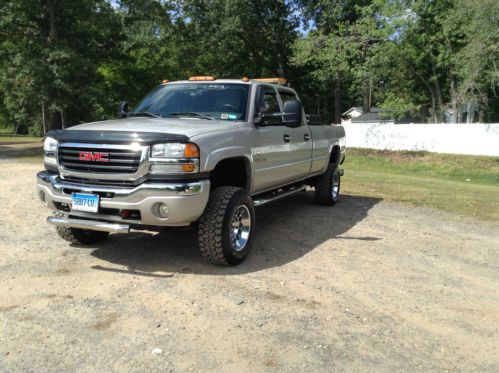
(365, 99)
(55, 120)
(44, 128)
(432, 94)
(63, 121)
(370, 93)
(52, 32)
(438, 93)
(453, 97)
(337, 100)
(18, 123)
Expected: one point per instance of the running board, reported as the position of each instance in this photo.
(271, 197)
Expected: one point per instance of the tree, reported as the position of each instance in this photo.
(51, 52)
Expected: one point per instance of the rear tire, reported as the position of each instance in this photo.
(327, 186)
(83, 236)
(226, 229)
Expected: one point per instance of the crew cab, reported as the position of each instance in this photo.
(202, 152)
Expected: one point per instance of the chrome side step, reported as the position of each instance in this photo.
(89, 224)
(271, 197)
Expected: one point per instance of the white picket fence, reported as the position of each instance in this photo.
(473, 139)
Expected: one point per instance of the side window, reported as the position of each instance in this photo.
(287, 96)
(268, 102)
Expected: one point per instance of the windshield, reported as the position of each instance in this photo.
(196, 100)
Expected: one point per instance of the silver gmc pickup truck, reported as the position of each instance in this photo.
(203, 153)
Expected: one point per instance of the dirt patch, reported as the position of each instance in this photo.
(365, 285)
(11, 152)
(105, 322)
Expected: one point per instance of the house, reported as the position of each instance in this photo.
(354, 112)
(355, 115)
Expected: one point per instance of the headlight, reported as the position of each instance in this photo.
(50, 145)
(172, 158)
(169, 150)
(49, 150)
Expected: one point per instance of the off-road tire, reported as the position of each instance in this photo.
(214, 226)
(324, 186)
(83, 236)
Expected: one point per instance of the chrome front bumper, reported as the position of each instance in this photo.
(94, 225)
(185, 200)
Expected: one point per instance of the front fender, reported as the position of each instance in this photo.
(218, 155)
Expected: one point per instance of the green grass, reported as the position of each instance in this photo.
(7, 136)
(464, 185)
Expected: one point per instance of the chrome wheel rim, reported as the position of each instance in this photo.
(335, 189)
(240, 227)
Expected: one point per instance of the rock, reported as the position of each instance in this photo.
(157, 351)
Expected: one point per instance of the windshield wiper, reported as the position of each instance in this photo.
(190, 114)
(145, 114)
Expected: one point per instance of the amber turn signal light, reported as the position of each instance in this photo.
(191, 151)
(188, 167)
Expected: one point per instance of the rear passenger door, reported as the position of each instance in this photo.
(300, 155)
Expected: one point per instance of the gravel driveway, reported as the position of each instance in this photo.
(365, 285)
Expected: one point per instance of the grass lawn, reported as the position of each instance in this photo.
(7, 136)
(465, 185)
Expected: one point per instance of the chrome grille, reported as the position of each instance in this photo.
(124, 161)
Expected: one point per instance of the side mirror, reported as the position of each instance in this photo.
(123, 109)
(259, 120)
(262, 119)
(292, 113)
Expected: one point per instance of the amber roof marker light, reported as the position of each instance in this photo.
(201, 78)
(279, 81)
(164, 81)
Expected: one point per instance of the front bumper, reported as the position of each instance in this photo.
(185, 200)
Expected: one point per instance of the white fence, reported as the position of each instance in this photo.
(473, 139)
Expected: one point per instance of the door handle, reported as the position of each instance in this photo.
(287, 138)
(306, 137)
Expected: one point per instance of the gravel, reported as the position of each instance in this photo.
(365, 285)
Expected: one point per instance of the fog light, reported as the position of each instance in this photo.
(164, 210)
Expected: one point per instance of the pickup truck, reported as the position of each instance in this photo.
(203, 152)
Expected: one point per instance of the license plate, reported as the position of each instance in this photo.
(85, 202)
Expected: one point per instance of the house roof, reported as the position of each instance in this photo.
(359, 109)
(356, 108)
(370, 117)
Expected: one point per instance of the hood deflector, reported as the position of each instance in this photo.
(114, 137)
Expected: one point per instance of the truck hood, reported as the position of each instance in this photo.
(186, 127)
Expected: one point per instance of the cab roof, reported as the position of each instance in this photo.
(206, 79)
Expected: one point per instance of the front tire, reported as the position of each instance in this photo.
(226, 229)
(327, 187)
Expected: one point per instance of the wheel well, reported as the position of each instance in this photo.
(231, 172)
(334, 158)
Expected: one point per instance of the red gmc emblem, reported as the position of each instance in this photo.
(94, 157)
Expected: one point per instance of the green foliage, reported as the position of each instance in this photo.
(68, 62)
